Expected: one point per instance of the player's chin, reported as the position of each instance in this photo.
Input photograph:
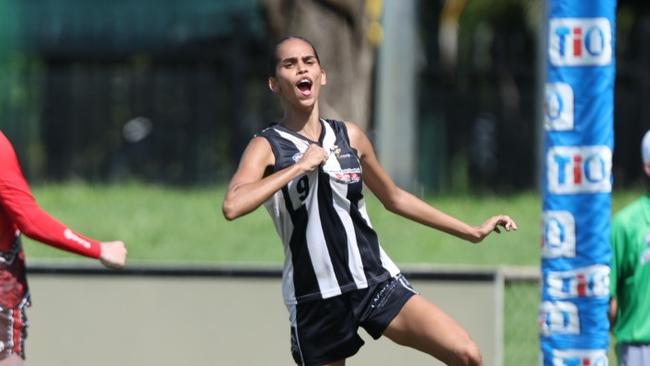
(306, 104)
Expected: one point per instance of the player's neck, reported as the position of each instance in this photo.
(306, 123)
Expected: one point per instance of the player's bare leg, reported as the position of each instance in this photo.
(12, 360)
(423, 326)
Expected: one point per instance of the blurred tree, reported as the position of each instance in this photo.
(477, 94)
(161, 91)
(632, 112)
(345, 32)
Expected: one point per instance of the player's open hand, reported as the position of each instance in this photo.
(113, 254)
(496, 223)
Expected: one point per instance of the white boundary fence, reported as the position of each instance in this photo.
(170, 315)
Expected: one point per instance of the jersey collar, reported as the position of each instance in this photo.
(294, 133)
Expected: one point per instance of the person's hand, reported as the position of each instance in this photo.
(313, 157)
(495, 223)
(113, 254)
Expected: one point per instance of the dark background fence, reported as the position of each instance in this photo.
(170, 92)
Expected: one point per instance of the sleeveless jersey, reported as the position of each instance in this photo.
(329, 243)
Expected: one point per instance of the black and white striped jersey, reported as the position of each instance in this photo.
(329, 243)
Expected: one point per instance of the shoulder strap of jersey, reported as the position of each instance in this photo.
(339, 128)
(271, 136)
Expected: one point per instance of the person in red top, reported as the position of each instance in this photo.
(20, 213)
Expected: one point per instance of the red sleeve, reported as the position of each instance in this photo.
(19, 204)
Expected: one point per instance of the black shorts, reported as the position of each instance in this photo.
(326, 330)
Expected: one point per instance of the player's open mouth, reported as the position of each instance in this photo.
(304, 85)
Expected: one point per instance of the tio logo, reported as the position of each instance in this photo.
(559, 317)
(558, 107)
(580, 42)
(559, 234)
(592, 281)
(580, 169)
(580, 357)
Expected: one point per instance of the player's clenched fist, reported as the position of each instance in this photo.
(113, 254)
(313, 157)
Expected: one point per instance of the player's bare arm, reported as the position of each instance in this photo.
(611, 312)
(407, 205)
(249, 189)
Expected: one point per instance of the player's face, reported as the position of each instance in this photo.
(298, 74)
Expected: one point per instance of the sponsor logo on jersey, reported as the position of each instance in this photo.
(68, 234)
(558, 107)
(347, 176)
(297, 156)
(559, 234)
(579, 169)
(580, 357)
(336, 150)
(580, 42)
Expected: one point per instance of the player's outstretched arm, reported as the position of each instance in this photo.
(249, 189)
(113, 254)
(21, 206)
(407, 205)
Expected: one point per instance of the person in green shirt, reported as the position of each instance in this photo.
(629, 311)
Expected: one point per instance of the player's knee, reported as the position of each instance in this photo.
(470, 355)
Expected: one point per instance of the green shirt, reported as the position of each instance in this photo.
(630, 275)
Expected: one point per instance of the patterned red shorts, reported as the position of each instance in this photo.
(14, 298)
(13, 330)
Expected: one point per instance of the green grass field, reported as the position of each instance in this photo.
(186, 225)
(164, 224)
